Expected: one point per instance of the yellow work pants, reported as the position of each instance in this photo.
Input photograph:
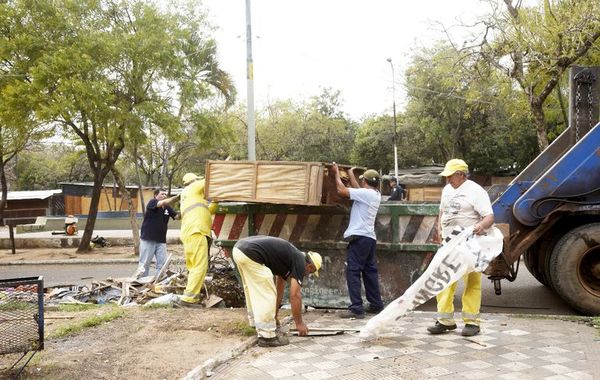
(195, 250)
(471, 301)
(260, 293)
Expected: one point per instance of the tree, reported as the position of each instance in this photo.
(464, 108)
(44, 165)
(314, 130)
(534, 46)
(110, 68)
(18, 128)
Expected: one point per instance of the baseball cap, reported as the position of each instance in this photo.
(189, 178)
(370, 175)
(315, 258)
(453, 166)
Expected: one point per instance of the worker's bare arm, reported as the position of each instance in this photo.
(296, 302)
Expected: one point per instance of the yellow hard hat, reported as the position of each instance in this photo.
(189, 178)
(453, 166)
(315, 258)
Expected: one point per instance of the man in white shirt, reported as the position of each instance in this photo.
(360, 235)
(464, 204)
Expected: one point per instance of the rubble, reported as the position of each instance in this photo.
(221, 287)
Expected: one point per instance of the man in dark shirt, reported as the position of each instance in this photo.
(153, 241)
(258, 259)
(397, 191)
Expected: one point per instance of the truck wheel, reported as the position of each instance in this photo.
(574, 268)
(533, 260)
(537, 257)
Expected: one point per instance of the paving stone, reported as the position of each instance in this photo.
(507, 348)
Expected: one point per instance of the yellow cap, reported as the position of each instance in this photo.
(315, 258)
(453, 166)
(189, 178)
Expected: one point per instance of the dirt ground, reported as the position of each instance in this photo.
(121, 252)
(144, 343)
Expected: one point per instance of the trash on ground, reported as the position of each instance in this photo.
(221, 288)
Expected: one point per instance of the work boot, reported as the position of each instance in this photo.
(439, 328)
(350, 314)
(279, 340)
(192, 305)
(373, 310)
(470, 330)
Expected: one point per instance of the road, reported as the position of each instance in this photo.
(524, 296)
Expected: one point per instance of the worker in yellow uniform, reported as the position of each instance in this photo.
(196, 223)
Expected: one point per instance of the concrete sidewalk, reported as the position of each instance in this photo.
(509, 347)
(45, 239)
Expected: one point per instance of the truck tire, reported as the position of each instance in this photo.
(533, 260)
(574, 268)
(537, 257)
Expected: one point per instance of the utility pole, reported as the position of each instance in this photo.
(395, 137)
(250, 78)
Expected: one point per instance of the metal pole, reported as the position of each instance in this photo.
(395, 137)
(250, 77)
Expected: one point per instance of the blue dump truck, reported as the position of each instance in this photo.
(549, 215)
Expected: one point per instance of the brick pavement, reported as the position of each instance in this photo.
(508, 347)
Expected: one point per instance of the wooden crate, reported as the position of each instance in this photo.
(427, 193)
(281, 182)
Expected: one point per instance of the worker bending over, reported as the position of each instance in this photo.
(258, 259)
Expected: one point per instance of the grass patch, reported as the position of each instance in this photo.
(92, 321)
(244, 328)
(596, 323)
(18, 305)
(76, 307)
(159, 306)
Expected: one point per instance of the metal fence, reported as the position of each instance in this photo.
(21, 315)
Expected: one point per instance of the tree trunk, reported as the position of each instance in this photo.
(4, 192)
(540, 125)
(132, 214)
(84, 244)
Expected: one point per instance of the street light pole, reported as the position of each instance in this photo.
(250, 77)
(395, 137)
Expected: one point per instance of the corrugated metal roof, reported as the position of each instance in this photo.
(106, 185)
(36, 194)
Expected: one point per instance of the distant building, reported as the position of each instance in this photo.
(78, 196)
(23, 207)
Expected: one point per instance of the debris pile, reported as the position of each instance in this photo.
(221, 287)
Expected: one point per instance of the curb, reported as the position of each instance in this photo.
(204, 370)
(72, 261)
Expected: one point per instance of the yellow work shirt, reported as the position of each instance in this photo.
(195, 211)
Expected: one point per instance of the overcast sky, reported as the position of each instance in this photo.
(302, 46)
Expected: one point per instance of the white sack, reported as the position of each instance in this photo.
(461, 253)
(167, 299)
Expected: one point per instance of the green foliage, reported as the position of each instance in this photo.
(460, 106)
(108, 72)
(45, 165)
(535, 45)
(289, 131)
